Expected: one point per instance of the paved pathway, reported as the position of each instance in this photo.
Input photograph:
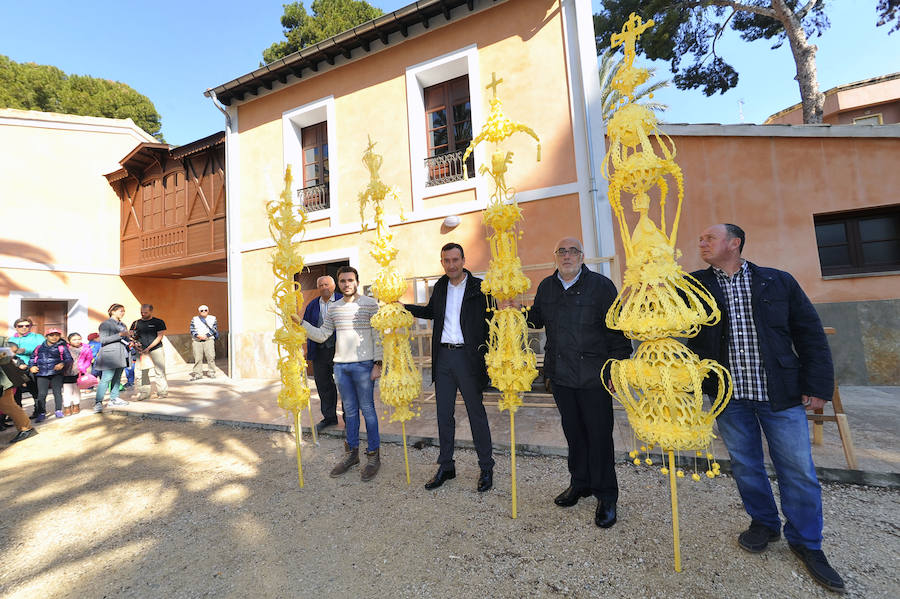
(873, 414)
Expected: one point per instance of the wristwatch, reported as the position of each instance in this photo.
(377, 362)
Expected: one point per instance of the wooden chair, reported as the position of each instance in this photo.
(818, 417)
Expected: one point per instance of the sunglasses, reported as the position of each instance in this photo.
(23, 326)
(204, 310)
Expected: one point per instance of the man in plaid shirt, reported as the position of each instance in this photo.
(772, 341)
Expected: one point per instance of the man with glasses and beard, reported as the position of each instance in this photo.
(571, 306)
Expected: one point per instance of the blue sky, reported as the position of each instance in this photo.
(172, 51)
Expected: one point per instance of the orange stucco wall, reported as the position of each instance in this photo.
(523, 42)
(370, 99)
(772, 187)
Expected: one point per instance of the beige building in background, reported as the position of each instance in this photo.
(60, 248)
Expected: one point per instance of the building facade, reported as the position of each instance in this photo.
(60, 253)
(873, 101)
(414, 80)
(818, 201)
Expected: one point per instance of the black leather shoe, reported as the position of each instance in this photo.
(485, 480)
(440, 476)
(605, 515)
(756, 538)
(570, 496)
(819, 568)
(325, 423)
(24, 435)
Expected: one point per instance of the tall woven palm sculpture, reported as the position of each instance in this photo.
(400, 382)
(511, 364)
(661, 386)
(285, 222)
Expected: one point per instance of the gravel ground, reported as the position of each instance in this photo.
(110, 506)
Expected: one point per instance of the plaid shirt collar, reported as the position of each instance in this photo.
(742, 270)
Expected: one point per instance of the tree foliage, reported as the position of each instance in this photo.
(686, 32)
(889, 10)
(610, 62)
(328, 18)
(30, 86)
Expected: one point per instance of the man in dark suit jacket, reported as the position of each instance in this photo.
(458, 344)
(321, 355)
(772, 341)
(571, 306)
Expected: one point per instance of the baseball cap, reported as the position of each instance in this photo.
(202, 307)
(52, 330)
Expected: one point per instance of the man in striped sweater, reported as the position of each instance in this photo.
(357, 364)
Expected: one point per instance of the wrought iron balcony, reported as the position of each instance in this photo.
(314, 197)
(446, 168)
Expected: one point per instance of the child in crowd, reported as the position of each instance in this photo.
(48, 361)
(82, 358)
(94, 344)
(5, 421)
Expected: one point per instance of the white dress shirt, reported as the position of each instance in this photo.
(452, 332)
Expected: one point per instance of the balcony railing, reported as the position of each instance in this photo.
(446, 168)
(314, 197)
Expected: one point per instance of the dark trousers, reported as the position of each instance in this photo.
(323, 373)
(31, 387)
(452, 371)
(587, 422)
(45, 383)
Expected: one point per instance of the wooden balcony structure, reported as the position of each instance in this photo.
(173, 209)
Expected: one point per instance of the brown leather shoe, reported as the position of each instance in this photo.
(373, 463)
(76, 408)
(67, 411)
(350, 459)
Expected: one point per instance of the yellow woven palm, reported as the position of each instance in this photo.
(511, 364)
(400, 381)
(661, 386)
(284, 223)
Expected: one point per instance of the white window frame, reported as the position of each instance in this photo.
(293, 121)
(425, 74)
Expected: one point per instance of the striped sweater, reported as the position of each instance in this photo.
(355, 339)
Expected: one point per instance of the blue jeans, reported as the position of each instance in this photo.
(358, 394)
(109, 379)
(787, 434)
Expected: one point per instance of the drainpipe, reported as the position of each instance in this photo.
(228, 235)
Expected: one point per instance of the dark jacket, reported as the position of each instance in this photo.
(311, 315)
(792, 343)
(473, 320)
(45, 357)
(578, 341)
(114, 348)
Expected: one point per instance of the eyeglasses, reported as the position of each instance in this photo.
(567, 252)
(23, 326)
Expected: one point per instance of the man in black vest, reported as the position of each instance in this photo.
(458, 344)
(571, 306)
